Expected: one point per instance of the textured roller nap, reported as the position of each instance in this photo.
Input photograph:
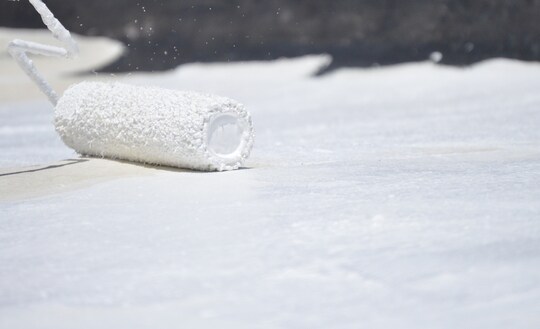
(153, 125)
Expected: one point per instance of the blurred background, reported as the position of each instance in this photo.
(161, 34)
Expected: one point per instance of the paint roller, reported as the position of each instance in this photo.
(142, 124)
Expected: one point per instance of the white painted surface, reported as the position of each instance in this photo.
(399, 197)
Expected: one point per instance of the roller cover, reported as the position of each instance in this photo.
(155, 126)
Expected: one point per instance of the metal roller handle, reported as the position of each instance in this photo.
(18, 49)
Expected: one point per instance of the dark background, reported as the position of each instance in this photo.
(162, 34)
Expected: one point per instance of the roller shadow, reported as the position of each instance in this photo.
(162, 167)
(71, 162)
(64, 176)
(74, 174)
(83, 159)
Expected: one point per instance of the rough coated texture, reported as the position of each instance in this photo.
(149, 125)
(401, 197)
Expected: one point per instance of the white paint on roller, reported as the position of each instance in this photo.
(154, 125)
(148, 125)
